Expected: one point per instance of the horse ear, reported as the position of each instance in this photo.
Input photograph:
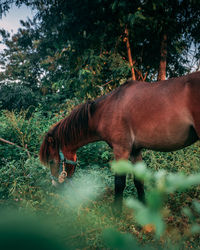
(50, 139)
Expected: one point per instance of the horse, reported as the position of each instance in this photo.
(161, 116)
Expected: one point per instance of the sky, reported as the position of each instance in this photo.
(11, 22)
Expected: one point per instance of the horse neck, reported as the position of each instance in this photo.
(94, 122)
(84, 138)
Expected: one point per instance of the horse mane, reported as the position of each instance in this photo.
(73, 126)
(68, 130)
(49, 140)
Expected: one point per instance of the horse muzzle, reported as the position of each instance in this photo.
(60, 180)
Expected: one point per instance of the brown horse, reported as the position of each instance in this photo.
(162, 116)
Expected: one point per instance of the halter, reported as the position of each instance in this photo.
(62, 172)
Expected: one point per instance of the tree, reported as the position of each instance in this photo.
(86, 48)
(174, 22)
(19, 59)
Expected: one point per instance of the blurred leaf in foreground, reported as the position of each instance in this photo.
(27, 232)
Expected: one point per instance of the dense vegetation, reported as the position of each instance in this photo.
(82, 215)
(70, 52)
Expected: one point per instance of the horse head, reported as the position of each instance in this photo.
(61, 142)
(62, 161)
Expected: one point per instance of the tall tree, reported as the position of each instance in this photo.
(86, 48)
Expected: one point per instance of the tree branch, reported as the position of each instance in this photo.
(163, 58)
(128, 47)
(13, 144)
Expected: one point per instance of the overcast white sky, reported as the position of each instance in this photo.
(11, 22)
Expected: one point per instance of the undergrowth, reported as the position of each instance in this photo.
(81, 215)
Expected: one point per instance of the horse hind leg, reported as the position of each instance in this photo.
(135, 157)
(196, 131)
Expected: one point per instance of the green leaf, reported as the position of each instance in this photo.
(160, 179)
(141, 172)
(196, 205)
(187, 212)
(135, 204)
(114, 5)
(122, 167)
(181, 182)
(146, 215)
(195, 229)
(155, 200)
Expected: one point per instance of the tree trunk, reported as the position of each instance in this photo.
(163, 58)
(129, 53)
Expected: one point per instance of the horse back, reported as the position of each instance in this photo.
(151, 115)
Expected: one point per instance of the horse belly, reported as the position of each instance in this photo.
(166, 138)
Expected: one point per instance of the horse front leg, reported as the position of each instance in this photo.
(120, 180)
(135, 157)
(120, 184)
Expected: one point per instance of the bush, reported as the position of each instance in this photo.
(16, 97)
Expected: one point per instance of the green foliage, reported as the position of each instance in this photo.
(83, 210)
(16, 97)
(162, 184)
(19, 128)
(20, 179)
(97, 153)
